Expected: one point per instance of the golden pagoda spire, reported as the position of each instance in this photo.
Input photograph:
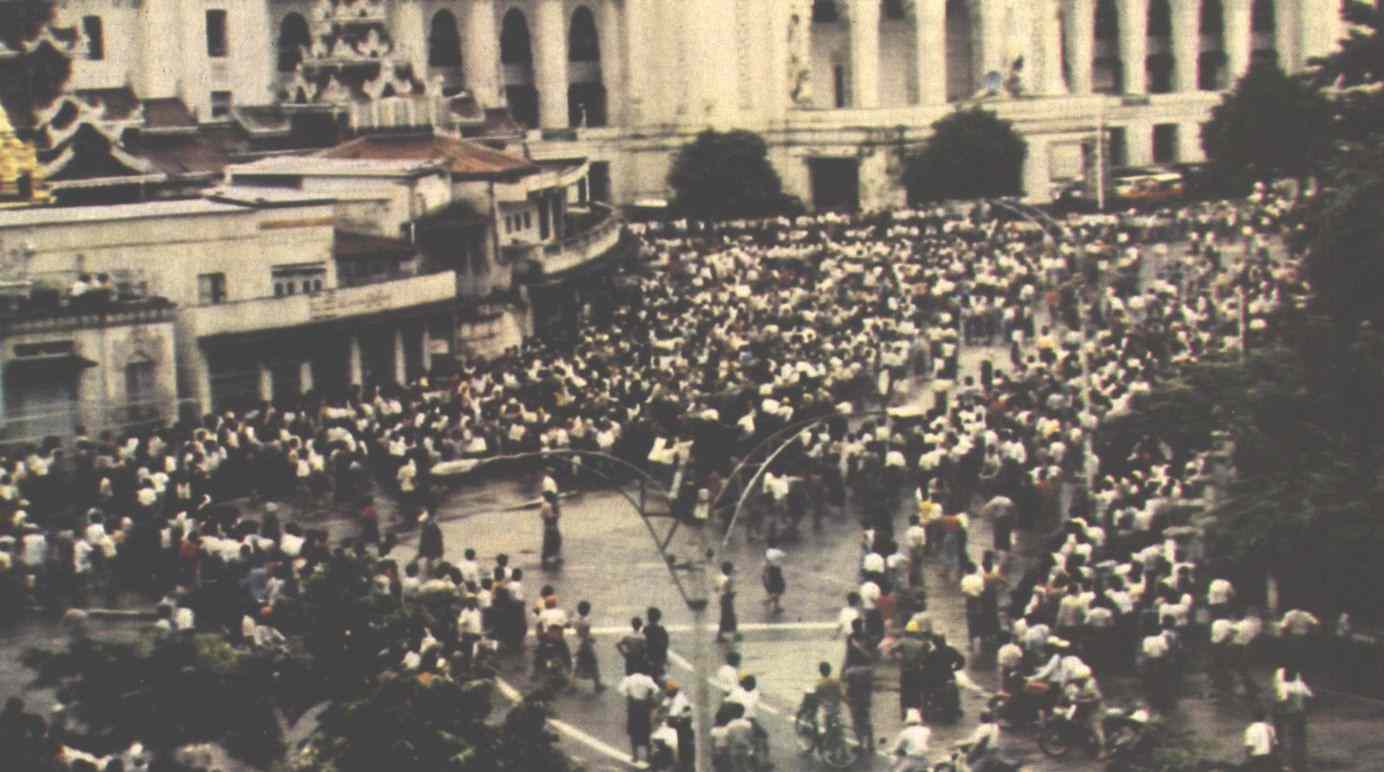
(20, 172)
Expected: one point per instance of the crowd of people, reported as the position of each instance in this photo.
(740, 334)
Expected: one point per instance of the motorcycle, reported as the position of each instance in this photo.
(1126, 733)
(1026, 706)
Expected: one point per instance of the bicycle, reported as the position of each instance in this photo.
(834, 745)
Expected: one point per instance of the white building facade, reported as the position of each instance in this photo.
(839, 88)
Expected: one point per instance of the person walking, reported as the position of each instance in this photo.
(725, 588)
(1291, 695)
(1261, 742)
(634, 649)
(552, 536)
(656, 642)
(587, 666)
(774, 584)
(641, 694)
(860, 691)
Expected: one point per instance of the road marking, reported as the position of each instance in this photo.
(680, 661)
(574, 733)
(752, 627)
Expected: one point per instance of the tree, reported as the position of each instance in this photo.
(1344, 239)
(727, 175)
(427, 723)
(971, 154)
(1269, 126)
(165, 693)
(1352, 75)
(34, 78)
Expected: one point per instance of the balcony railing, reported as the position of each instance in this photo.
(264, 314)
(587, 245)
(81, 317)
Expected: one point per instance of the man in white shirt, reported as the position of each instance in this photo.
(1260, 740)
(911, 747)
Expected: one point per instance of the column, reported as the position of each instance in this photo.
(612, 60)
(306, 382)
(410, 35)
(1287, 34)
(1047, 22)
(1189, 150)
(1037, 171)
(1237, 38)
(481, 53)
(425, 339)
(354, 370)
(930, 26)
(400, 357)
(550, 65)
(864, 53)
(1081, 36)
(635, 53)
(1186, 44)
(1134, 45)
(266, 383)
(992, 39)
(1139, 143)
(201, 379)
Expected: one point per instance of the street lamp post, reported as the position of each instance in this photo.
(695, 594)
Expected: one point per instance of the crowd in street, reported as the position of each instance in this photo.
(803, 330)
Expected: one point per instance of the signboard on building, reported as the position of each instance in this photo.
(331, 304)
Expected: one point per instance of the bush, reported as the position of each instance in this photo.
(971, 154)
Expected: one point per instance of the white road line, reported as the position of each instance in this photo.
(574, 733)
(752, 627)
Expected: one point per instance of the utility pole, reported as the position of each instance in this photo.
(701, 654)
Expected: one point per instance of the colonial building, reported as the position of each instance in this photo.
(839, 88)
(263, 310)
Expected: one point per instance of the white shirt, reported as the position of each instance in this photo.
(1259, 738)
(638, 687)
(869, 595)
(913, 742)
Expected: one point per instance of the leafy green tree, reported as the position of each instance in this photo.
(727, 175)
(1344, 239)
(972, 154)
(32, 79)
(1352, 75)
(1269, 126)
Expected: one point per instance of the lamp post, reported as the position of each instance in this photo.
(696, 593)
(1055, 236)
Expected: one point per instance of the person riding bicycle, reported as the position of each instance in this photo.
(552, 650)
(829, 696)
(910, 749)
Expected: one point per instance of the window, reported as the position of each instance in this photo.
(211, 289)
(95, 38)
(220, 104)
(528, 220)
(140, 385)
(894, 9)
(305, 278)
(825, 11)
(839, 76)
(1165, 143)
(444, 44)
(216, 33)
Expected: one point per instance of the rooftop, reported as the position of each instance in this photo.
(462, 158)
(335, 167)
(42, 216)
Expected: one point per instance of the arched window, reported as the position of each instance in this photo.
(515, 47)
(293, 36)
(583, 43)
(444, 44)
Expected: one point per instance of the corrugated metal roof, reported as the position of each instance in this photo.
(465, 159)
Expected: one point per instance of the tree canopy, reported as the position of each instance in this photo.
(727, 175)
(971, 154)
(1269, 126)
